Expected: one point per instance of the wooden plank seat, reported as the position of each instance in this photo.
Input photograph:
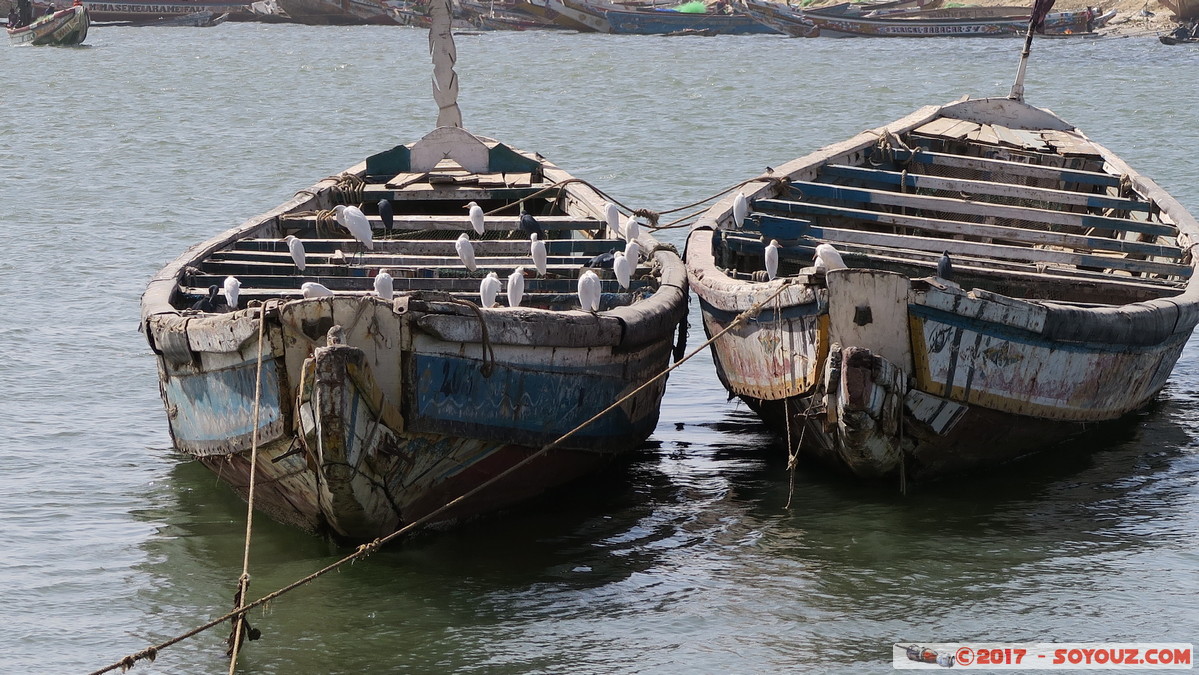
(866, 196)
(418, 190)
(200, 283)
(1016, 272)
(917, 181)
(436, 247)
(780, 227)
(459, 223)
(317, 267)
(1005, 167)
(996, 251)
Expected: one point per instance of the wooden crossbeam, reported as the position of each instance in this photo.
(919, 181)
(997, 251)
(1002, 166)
(439, 247)
(788, 228)
(957, 206)
(1015, 272)
(461, 223)
(274, 285)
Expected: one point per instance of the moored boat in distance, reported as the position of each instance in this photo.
(62, 28)
(969, 284)
(372, 364)
(339, 12)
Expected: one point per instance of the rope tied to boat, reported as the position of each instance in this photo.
(349, 188)
(374, 545)
(241, 627)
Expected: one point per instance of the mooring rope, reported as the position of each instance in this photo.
(150, 653)
(243, 582)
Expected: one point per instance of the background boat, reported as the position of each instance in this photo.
(338, 12)
(66, 27)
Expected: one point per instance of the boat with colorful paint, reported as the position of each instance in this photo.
(63, 28)
(369, 402)
(1003, 283)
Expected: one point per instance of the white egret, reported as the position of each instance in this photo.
(589, 291)
(632, 229)
(384, 285)
(830, 256)
(772, 259)
(311, 289)
(476, 216)
(537, 250)
(632, 251)
(489, 287)
(945, 267)
(620, 265)
(516, 287)
(740, 209)
(466, 251)
(232, 288)
(353, 219)
(612, 214)
(296, 247)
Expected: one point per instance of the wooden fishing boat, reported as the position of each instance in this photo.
(664, 22)
(1006, 282)
(1182, 10)
(573, 14)
(64, 28)
(338, 12)
(370, 401)
(146, 11)
(1171, 40)
(996, 21)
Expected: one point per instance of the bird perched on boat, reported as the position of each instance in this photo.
(612, 214)
(466, 251)
(296, 248)
(772, 259)
(632, 228)
(529, 224)
(384, 285)
(740, 209)
(537, 250)
(589, 291)
(353, 219)
(476, 216)
(945, 267)
(632, 251)
(620, 265)
(208, 304)
(602, 260)
(232, 289)
(489, 287)
(311, 289)
(516, 287)
(831, 258)
(387, 215)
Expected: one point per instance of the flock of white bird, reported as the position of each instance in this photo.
(589, 288)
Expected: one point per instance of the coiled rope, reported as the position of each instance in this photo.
(150, 653)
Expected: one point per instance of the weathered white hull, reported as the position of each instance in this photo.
(374, 414)
(884, 371)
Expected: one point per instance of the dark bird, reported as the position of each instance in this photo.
(387, 215)
(529, 224)
(208, 304)
(603, 260)
(944, 267)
